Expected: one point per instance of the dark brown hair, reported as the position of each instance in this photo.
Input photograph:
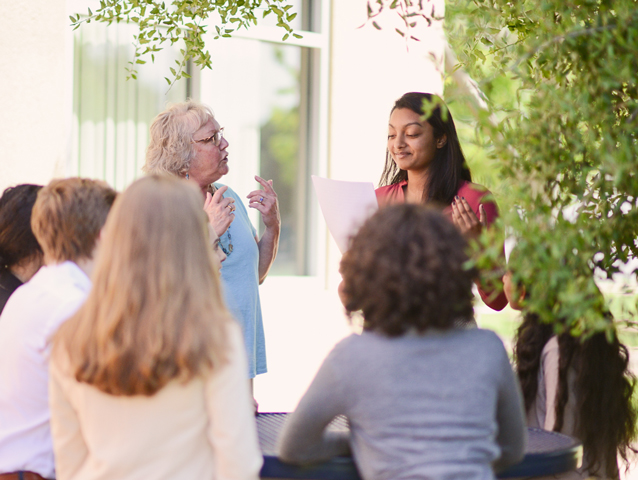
(405, 270)
(605, 414)
(17, 242)
(448, 168)
(68, 216)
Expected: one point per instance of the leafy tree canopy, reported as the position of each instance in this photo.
(185, 20)
(564, 139)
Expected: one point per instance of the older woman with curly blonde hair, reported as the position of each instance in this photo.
(424, 397)
(188, 142)
(148, 378)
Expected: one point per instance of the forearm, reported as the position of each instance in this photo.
(510, 416)
(304, 438)
(301, 448)
(268, 246)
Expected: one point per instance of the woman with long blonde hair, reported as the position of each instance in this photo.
(148, 378)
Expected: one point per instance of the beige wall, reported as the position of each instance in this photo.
(33, 84)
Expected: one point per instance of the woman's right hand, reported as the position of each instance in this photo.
(220, 210)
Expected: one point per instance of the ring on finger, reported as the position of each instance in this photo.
(261, 199)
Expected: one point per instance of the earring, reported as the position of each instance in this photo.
(187, 176)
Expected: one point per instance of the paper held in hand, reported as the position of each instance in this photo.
(345, 206)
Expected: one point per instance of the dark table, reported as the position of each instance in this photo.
(548, 453)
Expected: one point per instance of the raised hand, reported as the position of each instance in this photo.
(465, 219)
(219, 210)
(266, 202)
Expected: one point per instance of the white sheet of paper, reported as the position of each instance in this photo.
(345, 206)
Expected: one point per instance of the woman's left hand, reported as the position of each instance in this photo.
(266, 202)
(465, 219)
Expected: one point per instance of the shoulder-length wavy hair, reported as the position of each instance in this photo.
(155, 312)
(405, 270)
(170, 149)
(605, 414)
(448, 168)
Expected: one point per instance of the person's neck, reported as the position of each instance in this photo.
(416, 187)
(25, 270)
(86, 265)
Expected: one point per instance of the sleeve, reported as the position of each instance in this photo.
(510, 417)
(495, 299)
(232, 429)
(69, 446)
(549, 364)
(304, 438)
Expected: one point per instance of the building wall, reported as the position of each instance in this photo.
(34, 118)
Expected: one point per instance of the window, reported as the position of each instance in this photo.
(111, 115)
(268, 95)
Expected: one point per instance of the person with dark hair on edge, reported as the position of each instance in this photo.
(425, 164)
(423, 397)
(581, 387)
(20, 253)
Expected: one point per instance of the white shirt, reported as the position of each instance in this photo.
(30, 318)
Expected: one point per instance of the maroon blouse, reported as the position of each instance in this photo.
(473, 193)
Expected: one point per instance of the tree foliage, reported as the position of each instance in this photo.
(185, 20)
(565, 141)
(567, 145)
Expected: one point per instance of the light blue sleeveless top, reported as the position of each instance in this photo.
(240, 279)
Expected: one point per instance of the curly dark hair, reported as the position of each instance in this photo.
(449, 168)
(603, 386)
(405, 269)
(17, 241)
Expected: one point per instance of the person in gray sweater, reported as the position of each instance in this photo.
(424, 397)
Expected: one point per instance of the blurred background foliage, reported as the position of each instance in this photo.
(557, 145)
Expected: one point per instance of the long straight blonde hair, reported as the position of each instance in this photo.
(155, 312)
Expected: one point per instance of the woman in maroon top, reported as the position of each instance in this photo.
(425, 164)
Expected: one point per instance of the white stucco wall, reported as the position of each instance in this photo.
(34, 87)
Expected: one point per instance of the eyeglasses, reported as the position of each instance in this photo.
(216, 138)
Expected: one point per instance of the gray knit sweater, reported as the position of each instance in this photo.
(444, 405)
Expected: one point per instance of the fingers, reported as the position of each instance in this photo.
(259, 200)
(208, 201)
(266, 184)
(222, 223)
(260, 207)
(463, 220)
(482, 215)
(219, 194)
